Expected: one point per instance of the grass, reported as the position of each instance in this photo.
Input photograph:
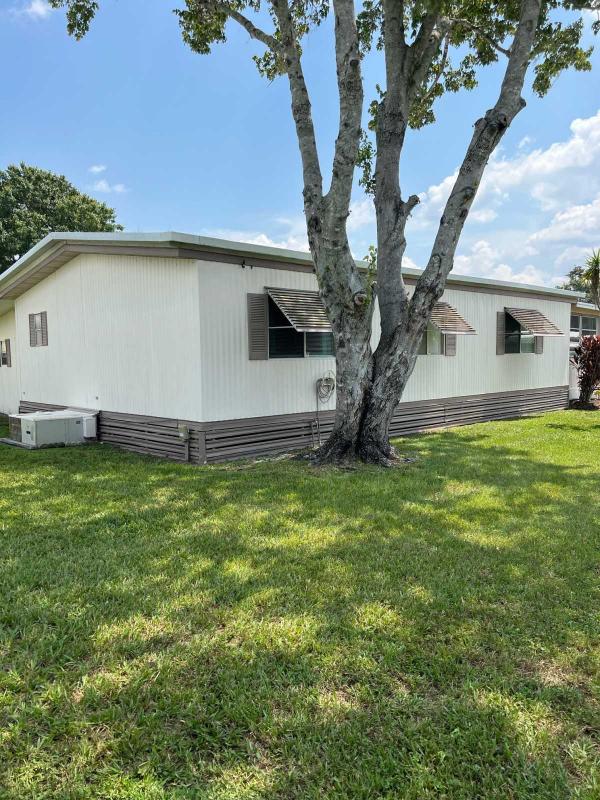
(271, 631)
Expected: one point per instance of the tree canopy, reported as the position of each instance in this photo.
(586, 278)
(35, 202)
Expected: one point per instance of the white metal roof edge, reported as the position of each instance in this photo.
(243, 249)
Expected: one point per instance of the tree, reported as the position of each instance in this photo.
(591, 276)
(576, 282)
(429, 47)
(586, 358)
(586, 279)
(34, 202)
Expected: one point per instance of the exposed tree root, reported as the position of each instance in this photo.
(342, 451)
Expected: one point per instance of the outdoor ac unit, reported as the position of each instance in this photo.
(47, 428)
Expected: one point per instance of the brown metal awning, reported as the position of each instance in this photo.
(532, 321)
(305, 310)
(448, 320)
(306, 313)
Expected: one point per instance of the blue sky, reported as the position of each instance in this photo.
(204, 145)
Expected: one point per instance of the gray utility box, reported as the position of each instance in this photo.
(48, 428)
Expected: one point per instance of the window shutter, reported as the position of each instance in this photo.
(7, 348)
(449, 344)
(44, 329)
(32, 336)
(500, 333)
(258, 327)
(538, 345)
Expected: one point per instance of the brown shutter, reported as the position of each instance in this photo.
(538, 345)
(449, 344)
(500, 333)
(7, 348)
(32, 336)
(44, 329)
(258, 327)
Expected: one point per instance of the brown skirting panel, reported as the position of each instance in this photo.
(227, 439)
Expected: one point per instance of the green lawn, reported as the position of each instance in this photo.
(272, 631)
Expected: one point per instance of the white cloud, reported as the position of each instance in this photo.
(483, 215)
(572, 256)
(35, 9)
(545, 175)
(485, 261)
(104, 187)
(290, 239)
(525, 142)
(581, 222)
(96, 169)
(362, 213)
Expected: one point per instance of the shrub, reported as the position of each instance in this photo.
(586, 359)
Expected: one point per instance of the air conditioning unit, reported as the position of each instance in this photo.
(52, 428)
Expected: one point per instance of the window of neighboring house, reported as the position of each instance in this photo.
(516, 340)
(431, 343)
(286, 342)
(583, 326)
(588, 326)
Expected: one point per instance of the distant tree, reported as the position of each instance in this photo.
(428, 48)
(592, 276)
(34, 202)
(586, 279)
(586, 358)
(576, 282)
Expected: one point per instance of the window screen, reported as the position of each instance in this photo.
(431, 343)
(286, 342)
(588, 326)
(319, 344)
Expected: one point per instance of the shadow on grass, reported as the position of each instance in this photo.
(276, 631)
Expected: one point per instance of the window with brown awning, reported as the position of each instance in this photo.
(306, 313)
(447, 320)
(534, 322)
(304, 310)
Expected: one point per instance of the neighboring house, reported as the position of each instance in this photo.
(585, 321)
(170, 334)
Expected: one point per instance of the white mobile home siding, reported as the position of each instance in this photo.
(123, 335)
(167, 338)
(235, 387)
(9, 384)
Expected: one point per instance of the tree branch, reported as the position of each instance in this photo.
(424, 48)
(256, 33)
(480, 32)
(302, 113)
(440, 72)
(350, 88)
(488, 133)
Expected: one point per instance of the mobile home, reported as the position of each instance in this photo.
(202, 349)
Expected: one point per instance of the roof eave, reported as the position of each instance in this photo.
(173, 239)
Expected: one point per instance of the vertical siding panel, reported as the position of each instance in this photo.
(123, 336)
(9, 385)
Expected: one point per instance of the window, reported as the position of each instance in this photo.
(583, 326)
(38, 329)
(5, 353)
(515, 339)
(431, 343)
(588, 326)
(286, 342)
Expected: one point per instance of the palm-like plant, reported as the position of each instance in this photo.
(592, 276)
